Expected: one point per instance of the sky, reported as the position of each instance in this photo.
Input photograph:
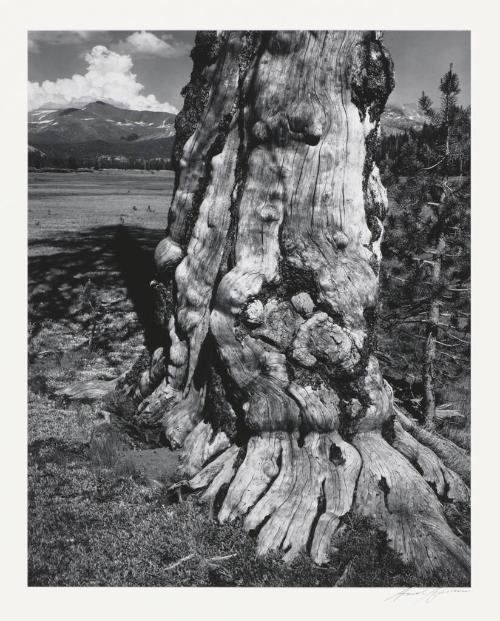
(146, 70)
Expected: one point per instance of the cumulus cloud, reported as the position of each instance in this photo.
(57, 37)
(109, 78)
(147, 44)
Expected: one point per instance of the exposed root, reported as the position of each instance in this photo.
(218, 469)
(396, 496)
(136, 383)
(169, 408)
(258, 470)
(128, 383)
(152, 409)
(454, 457)
(180, 420)
(200, 447)
(295, 496)
(280, 484)
(88, 391)
(448, 484)
(151, 378)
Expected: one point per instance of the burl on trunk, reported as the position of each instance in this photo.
(267, 378)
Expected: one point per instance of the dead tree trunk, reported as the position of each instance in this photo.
(273, 250)
(431, 336)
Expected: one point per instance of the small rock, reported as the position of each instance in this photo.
(254, 313)
(302, 303)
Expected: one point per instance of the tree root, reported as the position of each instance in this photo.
(447, 484)
(295, 492)
(151, 377)
(179, 421)
(200, 446)
(152, 409)
(133, 383)
(88, 391)
(452, 456)
(402, 504)
(286, 490)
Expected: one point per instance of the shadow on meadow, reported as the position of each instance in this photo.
(116, 259)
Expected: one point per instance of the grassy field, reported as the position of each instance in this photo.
(99, 511)
(63, 204)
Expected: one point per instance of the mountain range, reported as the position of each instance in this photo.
(398, 118)
(101, 129)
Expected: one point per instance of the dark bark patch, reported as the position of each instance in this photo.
(335, 455)
(215, 148)
(295, 280)
(383, 485)
(221, 402)
(388, 432)
(205, 52)
(217, 409)
(250, 49)
(371, 145)
(372, 77)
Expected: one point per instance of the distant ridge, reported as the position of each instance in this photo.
(101, 129)
(398, 118)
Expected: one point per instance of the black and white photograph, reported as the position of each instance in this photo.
(241, 352)
(249, 308)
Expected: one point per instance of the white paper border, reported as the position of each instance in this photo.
(21, 602)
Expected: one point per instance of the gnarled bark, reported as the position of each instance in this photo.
(273, 251)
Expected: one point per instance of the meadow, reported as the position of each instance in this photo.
(99, 508)
(67, 203)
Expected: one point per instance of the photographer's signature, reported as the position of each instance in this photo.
(426, 595)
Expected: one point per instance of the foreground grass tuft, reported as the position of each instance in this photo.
(95, 521)
(107, 528)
